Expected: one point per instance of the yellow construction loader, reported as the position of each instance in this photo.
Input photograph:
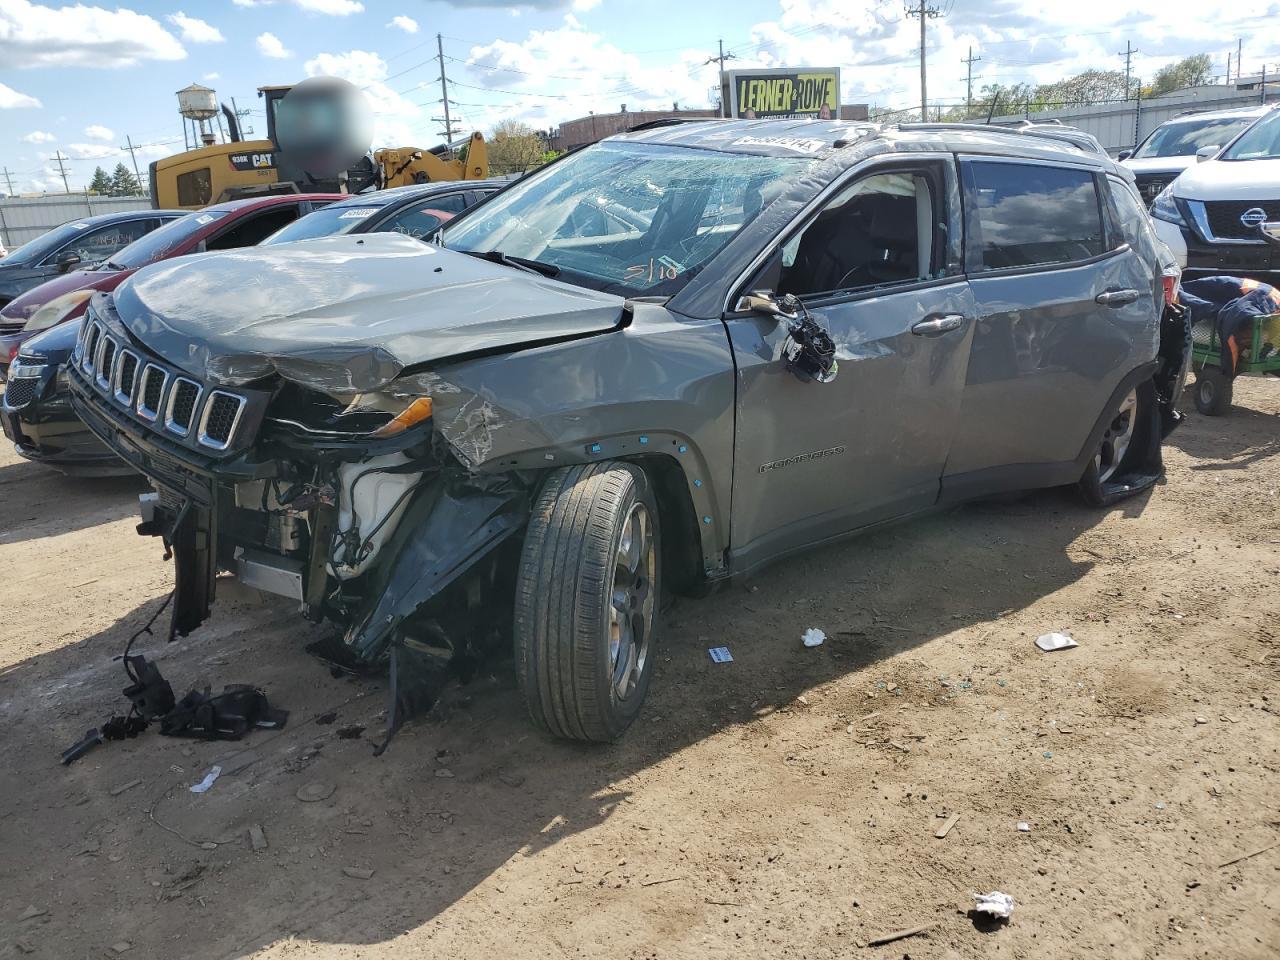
(248, 168)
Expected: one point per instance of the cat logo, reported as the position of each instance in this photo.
(252, 161)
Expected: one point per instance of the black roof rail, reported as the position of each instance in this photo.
(670, 122)
(1056, 131)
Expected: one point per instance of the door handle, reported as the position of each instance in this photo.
(937, 325)
(1117, 298)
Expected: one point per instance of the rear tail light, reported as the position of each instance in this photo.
(1170, 283)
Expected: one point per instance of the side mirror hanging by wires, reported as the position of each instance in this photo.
(809, 351)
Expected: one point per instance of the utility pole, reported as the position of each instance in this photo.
(133, 156)
(62, 170)
(242, 120)
(968, 96)
(444, 97)
(724, 101)
(9, 180)
(1228, 68)
(1239, 58)
(925, 13)
(1128, 65)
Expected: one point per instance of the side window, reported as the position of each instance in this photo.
(420, 220)
(253, 230)
(453, 203)
(195, 189)
(879, 230)
(94, 246)
(1033, 214)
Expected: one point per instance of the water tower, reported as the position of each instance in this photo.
(199, 105)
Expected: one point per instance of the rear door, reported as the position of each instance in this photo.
(1060, 303)
(878, 265)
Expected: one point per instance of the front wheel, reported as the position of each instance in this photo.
(587, 600)
(1213, 392)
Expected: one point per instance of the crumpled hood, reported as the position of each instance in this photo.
(344, 314)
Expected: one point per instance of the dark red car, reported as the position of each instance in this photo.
(239, 223)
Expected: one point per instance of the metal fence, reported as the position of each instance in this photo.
(1121, 125)
(25, 218)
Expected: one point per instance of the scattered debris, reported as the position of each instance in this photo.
(257, 837)
(32, 912)
(444, 773)
(1248, 855)
(654, 883)
(357, 873)
(124, 946)
(116, 791)
(1024, 827)
(209, 778)
(720, 655)
(813, 637)
(950, 822)
(350, 733)
(312, 792)
(900, 934)
(1050, 642)
(1200, 720)
(996, 904)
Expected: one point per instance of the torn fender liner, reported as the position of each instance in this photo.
(443, 533)
(342, 314)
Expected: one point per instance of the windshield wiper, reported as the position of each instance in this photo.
(112, 265)
(520, 263)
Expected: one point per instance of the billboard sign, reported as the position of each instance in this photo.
(802, 92)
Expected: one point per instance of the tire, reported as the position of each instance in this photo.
(1123, 443)
(587, 594)
(1213, 392)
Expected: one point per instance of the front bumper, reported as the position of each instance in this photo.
(1258, 261)
(46, 430)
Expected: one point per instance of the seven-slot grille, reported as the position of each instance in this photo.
(157, 394)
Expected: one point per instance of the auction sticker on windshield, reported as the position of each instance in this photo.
(358, 214)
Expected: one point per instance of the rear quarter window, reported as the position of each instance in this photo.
(1033, 214)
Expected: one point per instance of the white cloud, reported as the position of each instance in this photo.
(269, 45)
(195, 30)
(10, 98)
(32, 35)
(39, 136)
(582, 6)
(407, 24)
(210, 77)
(394, 116)
(333, 8)
(96, 131)
(90, 151)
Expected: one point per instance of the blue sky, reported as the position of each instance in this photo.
(79, 78)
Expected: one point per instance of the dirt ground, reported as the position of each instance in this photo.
(783, 805)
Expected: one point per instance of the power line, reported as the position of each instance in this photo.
(925, 13)
(969, 61)
(724, 104)
(1128, 64)
(444, 94)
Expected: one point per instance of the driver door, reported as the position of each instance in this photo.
(879, 266)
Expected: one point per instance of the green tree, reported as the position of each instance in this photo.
(1188, 72)
(101, 182)
(515, 148)
(124, 183)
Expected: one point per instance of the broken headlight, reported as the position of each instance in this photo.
(376, 416)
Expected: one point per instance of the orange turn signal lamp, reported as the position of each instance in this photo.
(411, 415)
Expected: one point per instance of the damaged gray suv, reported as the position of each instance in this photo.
(660, 362)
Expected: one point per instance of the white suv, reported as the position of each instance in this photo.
(1177, 144)
(1210, 215)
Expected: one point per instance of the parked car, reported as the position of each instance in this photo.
(240, 223)
(418, 210)
(1211, 216)
(35, 411)
(1182, 142)
(77, 245)
(523, 439)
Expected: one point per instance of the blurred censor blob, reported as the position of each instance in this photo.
(324, 125)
